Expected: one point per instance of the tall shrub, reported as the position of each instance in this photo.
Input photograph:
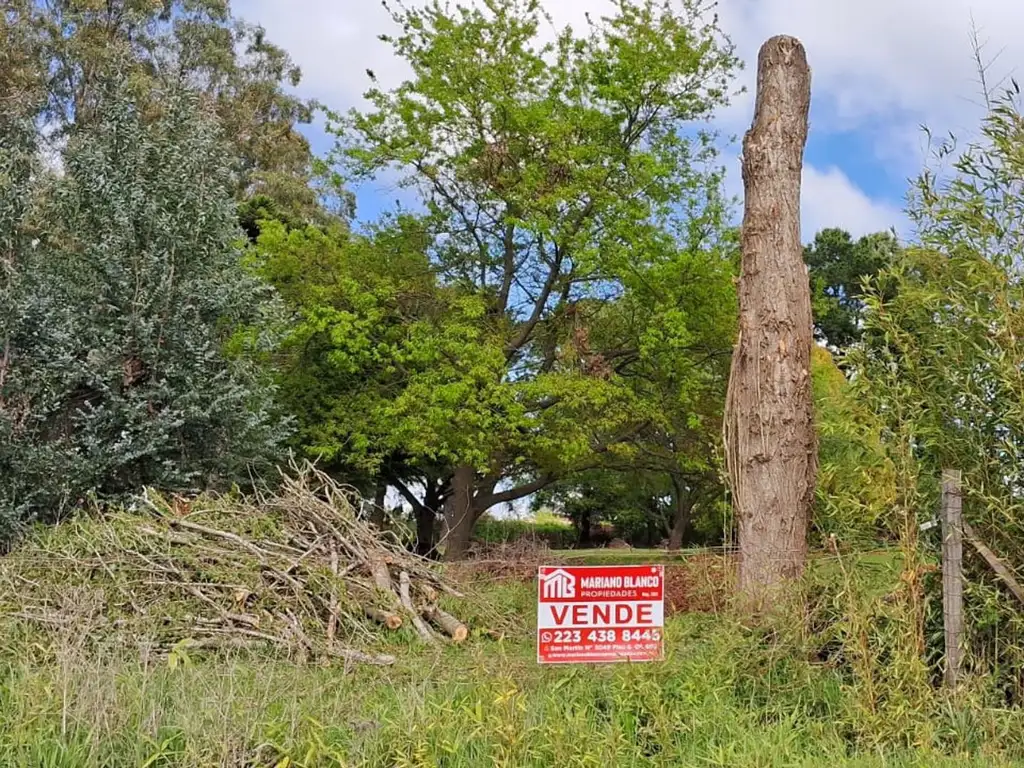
(132, 361)
(18, 164)
(942, 366)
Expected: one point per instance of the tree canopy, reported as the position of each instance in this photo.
(72, 47)
(558, 178)
(839, 266)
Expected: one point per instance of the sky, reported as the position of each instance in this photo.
(881, 69)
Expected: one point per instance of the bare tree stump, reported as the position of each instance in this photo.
(770, 443)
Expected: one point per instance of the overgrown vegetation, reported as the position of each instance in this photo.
(941, 368)
(185, 298)
(295, 571)
(725, 696)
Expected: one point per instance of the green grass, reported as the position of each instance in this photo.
(723, 697)
(552, 531)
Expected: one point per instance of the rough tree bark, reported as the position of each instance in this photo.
(769, 429)
(468, 499)
(682, 505)
(378, 515)
(459, 514)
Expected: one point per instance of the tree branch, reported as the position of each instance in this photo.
(541, 302)
(509, 265)
(512, 494)
(471, 227)
(407, 494)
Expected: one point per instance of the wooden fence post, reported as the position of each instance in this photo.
(952, 571)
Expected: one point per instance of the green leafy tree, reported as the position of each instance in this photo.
(941, 368)
(369, 319)
(670, 339)
(685, 320)
(19, 165)
(838, 267)
(131, 363)
(856, 478)
(550, 174)
(197, 44)
(364, 307)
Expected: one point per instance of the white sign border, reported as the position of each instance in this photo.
(661, 645)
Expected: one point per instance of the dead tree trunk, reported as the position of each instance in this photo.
(769, 429)
(459, 514)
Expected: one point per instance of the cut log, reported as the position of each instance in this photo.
(381, 577)
(405, 595)
(428, 592)
(454, 628)
(388, 619)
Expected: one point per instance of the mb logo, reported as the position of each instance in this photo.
(558, 584)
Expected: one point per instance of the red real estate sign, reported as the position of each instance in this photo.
(594, 614)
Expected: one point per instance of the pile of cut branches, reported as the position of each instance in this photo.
(296, 569)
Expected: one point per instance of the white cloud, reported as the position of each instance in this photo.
(880, 67)
(830, 199)
(336, 42)
(333, 42)
(871, 58)
(875, 57)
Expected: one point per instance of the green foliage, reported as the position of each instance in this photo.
(942, 361)
(863, 619)
(839, 266)
(856, 480)
(567, 187)
(373, 338)
(18, 165)
(117, 372)
(631, 504)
